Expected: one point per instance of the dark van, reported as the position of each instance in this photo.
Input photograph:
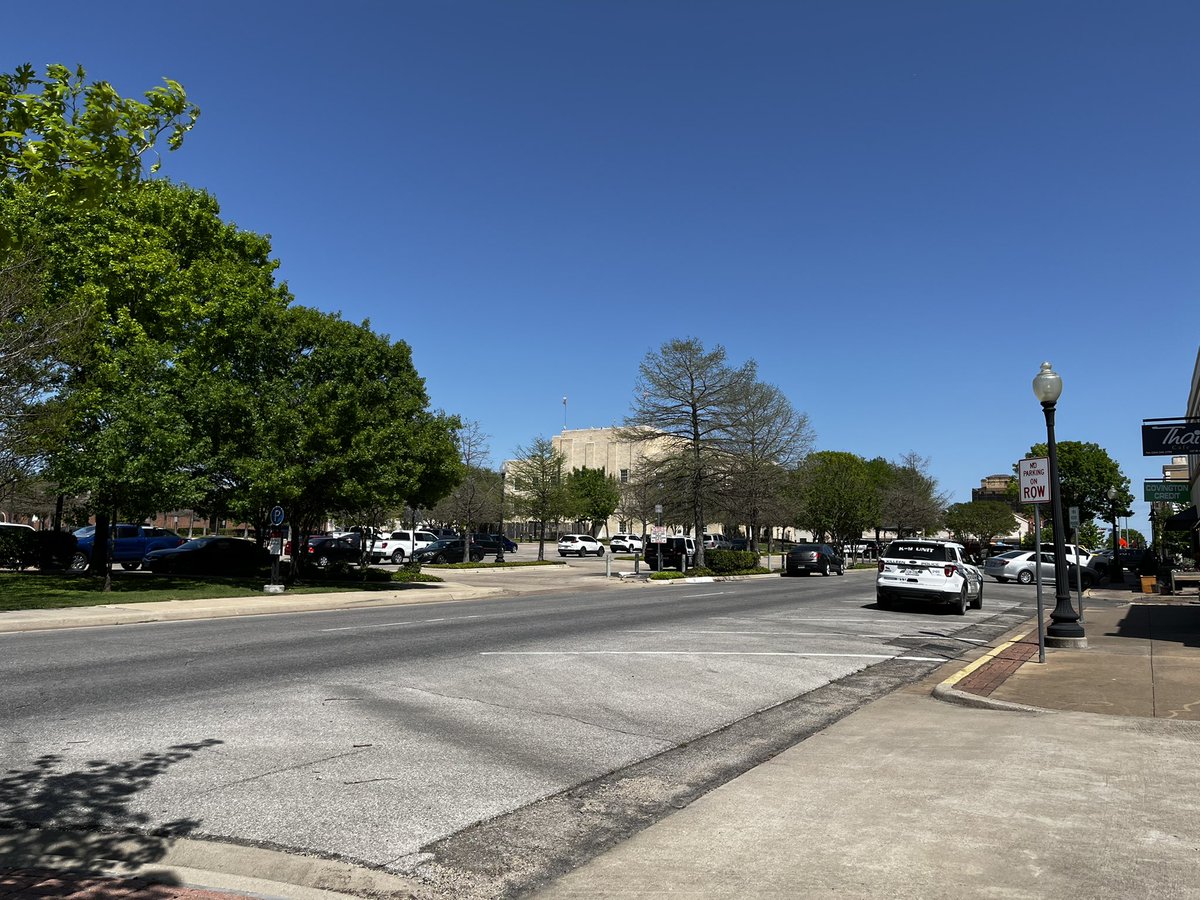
(677, 553)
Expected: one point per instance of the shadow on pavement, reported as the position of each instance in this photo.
(1178, 624)
(55, 818)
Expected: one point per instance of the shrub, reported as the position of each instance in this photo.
(724, 562)
(17, 547)
(666, 575)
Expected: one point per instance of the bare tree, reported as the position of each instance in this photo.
(467, 503)
(911, 500)
(538, 485)
(764, 438)
(683, 398)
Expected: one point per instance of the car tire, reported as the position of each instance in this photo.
(841, 570)
(825, 568)
(79, 562)
(977, 603)
(439, 559)
(960, 608)
(1001, 580)
(562, 553)
(131, 566)
(398, 557)
(600, 552)
(1025, 576)
(882, 600)
(322, 561)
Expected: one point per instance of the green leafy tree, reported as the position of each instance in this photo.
(684, 400)
(593, 496)
(981, 520)
(345, 425)
(538, 486)
(66, 139)
(832, 495)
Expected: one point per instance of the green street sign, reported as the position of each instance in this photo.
(1166, 492)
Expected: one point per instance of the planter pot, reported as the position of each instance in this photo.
(1149, 584)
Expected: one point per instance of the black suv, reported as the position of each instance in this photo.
(675, 551)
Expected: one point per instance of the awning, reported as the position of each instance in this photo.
(1184, 521)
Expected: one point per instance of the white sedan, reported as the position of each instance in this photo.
(579, 544)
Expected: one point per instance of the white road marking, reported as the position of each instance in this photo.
(694, 596)
(706, 653)
(784, 633)
(399, 624)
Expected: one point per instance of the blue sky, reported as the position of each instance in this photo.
(899, 209)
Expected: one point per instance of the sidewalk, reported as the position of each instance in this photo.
(1073, 778)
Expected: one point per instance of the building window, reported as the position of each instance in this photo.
(624, 476)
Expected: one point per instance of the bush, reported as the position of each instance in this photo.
(17, 547)
(725, 562)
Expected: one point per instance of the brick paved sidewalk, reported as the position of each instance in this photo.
(995, 671)
(22, 883)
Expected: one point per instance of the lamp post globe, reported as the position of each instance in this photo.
(1064, 630)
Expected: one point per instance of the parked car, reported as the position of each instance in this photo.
(130, 544)
(677, 552)
(1023, 567)
(716, 542)
(1085, 554)
(932, 571)
(396, 545)
(491, 543)
(210, 555)
(580, 544)
(625, 543)
(446, 550)
(804, 559)
(739, 544)
(325, 551)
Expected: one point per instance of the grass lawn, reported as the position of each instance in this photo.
(31, 590)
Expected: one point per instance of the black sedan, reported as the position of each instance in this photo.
(491, 543)
(324, 552)
(211, 555)
(447, 551)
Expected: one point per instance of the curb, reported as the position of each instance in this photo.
(947, 692)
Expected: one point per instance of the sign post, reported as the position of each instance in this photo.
(1073, 518)
(275, 546)
(1034, 483)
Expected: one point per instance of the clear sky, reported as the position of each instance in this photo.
(899, 209)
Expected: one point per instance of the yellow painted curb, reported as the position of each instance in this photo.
(987, 657)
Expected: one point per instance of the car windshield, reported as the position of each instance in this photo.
(197, 543)
(913, 550)
(806, 548)
(1011, 554)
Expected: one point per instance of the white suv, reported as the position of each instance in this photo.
(625, 543)
(935, 571)
(581, 544)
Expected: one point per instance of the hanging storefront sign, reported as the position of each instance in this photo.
(1166, 492)
(1170, 437)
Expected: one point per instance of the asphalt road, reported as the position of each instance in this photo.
(384, 736)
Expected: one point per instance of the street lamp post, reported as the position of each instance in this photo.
(1116, 573)
(500, 552)
(1064, 630)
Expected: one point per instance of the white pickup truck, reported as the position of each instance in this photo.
(397, 545)
(934, 571)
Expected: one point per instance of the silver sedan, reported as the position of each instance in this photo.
(1022, 566)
